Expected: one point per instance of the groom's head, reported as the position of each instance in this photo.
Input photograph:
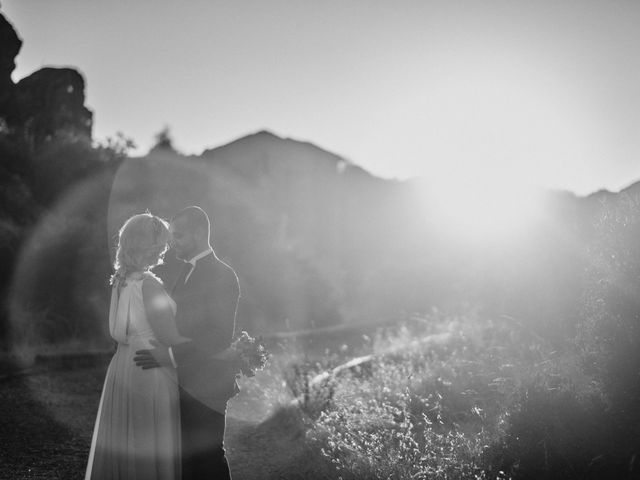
(190, 229)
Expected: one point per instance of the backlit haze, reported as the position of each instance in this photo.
(543, 93)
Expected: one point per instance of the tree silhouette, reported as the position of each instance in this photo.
(164, 140)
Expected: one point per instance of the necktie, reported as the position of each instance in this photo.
(186, 270)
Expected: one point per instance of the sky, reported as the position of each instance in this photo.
(542, 92)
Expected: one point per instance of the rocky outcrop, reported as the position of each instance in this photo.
(48, 103)
(10, 45)
(51, 103)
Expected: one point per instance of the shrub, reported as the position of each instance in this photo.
(429, 405)
(466, 397)
(609, 337)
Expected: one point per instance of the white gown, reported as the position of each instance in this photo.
(137, 430)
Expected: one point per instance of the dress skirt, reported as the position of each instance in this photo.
(137, 430)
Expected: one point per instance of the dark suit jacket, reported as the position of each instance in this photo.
(206, 314)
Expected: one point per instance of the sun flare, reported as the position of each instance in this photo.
(480, 209)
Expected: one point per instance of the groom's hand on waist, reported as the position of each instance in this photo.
(154, 357)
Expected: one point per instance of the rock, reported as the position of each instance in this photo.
(51, 103)
(10, 45)
(46, 104)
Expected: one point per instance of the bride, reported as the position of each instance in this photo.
(137, 429)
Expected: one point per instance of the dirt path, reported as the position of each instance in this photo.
(46, 423)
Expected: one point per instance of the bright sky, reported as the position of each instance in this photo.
(505, 91)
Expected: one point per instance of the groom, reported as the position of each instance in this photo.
(206, 293)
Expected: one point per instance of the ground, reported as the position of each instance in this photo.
(46, 423)
(48, 416)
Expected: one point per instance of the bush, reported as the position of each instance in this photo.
(434, 398)
(376, 439)
(609, 337)
(459, 398)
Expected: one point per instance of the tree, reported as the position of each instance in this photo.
(164, 140)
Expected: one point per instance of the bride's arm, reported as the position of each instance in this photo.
(159, 312)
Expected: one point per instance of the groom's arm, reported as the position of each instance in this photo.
(213, 331)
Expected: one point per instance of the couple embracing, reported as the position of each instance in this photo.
(162, 410)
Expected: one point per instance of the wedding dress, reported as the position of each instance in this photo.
(137, 429)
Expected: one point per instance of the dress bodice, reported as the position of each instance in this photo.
(127, 314)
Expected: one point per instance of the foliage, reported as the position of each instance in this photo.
(609, 337)
(53, 242)
(115, 149)
(553, 432)
(251, 354)
(164, 140)
(458, 397)
(377, 439)
(426, 406)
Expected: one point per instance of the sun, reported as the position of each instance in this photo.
(480, 208)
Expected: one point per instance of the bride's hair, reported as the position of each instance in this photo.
(142, 242)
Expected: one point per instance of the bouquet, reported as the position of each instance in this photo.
(249, 354)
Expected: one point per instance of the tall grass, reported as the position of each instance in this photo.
(454, 398)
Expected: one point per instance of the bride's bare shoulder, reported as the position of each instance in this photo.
(152, 285)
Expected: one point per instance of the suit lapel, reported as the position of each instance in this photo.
(180, 281)
(196, 273)
(182, 288)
